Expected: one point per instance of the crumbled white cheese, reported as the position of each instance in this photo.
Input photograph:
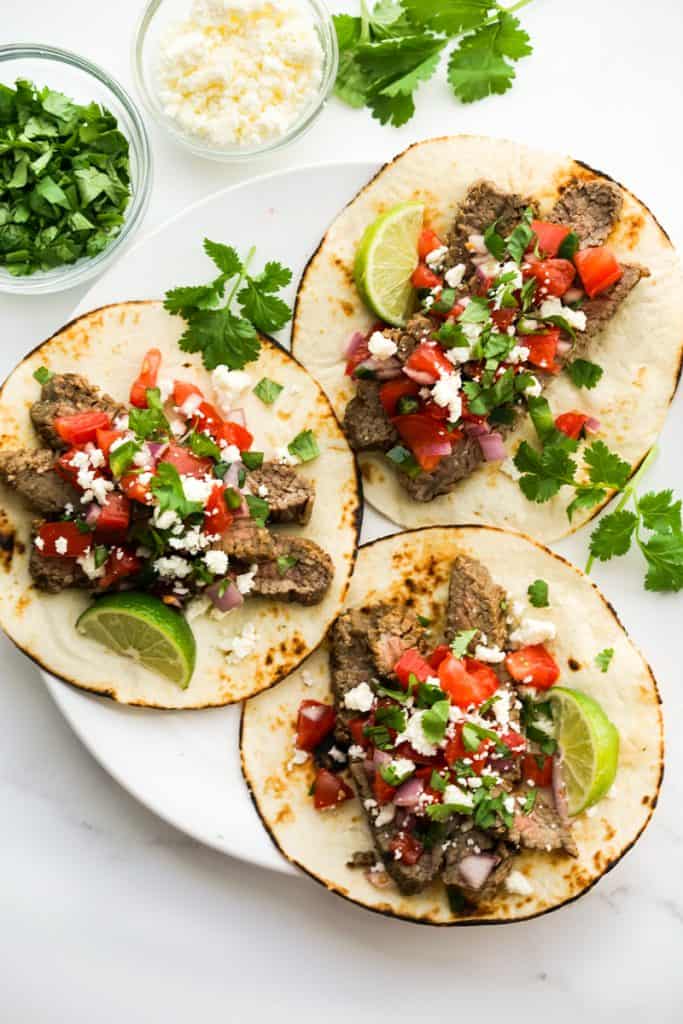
(359, 698)
(190, 405)
(414, 734)
(285, 457)
(230, 453)
(197, 606)
(229, 386)
(245, 581)
(198, 488)
(192, 540)
(298, 757)
(97, 458)
(369, 804)
(385, 815)
(435, 258)
(535, 388)
(446, 393)
(243, 644)
(239, 72)
(508, 467)
(518, 884)
(39, 543)
(216, 562)
(403, 766)
(356, 752)
(517, 354)
(494, 655)
(337, 755)
(263, 491)
(87, 564)
(455, 275)
(166, 519)
(381, 347)
(552, 306)
(509, 804)
(533, 631)
(454, 795)
(172, 567)
(61, 545)
(501, 707)
(307, 678)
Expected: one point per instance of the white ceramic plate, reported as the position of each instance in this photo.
(184, 765)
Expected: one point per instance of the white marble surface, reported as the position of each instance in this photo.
(108, 915)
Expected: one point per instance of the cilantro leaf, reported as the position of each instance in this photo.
(475, 73)
(544, 472)
(538, 594)
(613, 535)
(604, 658)
(252, 460)
(222, 338)
(461, 641)
(304, 446)
(185, 300)
(285, 563)
(664, 555)
(605, 467)
(449, 16)
(268, 390)
(660, 512)
(569, 246)
(204, 446)
(224, 256)
(167, 487)
(584, 374)
(435, 720)
(586, 497)
(392, 776)
(259, 509)
(121, 457)
(266, 311)
(43, 375)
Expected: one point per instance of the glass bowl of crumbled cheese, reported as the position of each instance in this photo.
(235, 79)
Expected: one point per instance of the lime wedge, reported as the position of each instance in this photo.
(143, 628)
(589, 747)
(385, 261)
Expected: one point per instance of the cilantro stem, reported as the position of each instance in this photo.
(365, 22)
(515, 7)
(243, 274)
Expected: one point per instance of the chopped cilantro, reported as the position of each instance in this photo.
(569, 246)
(538, 593)
(424, 621)
(285, 563)
(435, 720)
(204, 446)
(379, 735)
(167, 487)
(604, 658)
(404, 459)
(461, 641)
(43, 375)
(442, 812)
(392, 776)
(259, 509)
(438, 782)
(529, 801)
(252, 460)
(121, 457)
(392, 717)
(427, 695)
(268, 390)
(100, 554)
(304, 446)
(583, 373)
(233, 498)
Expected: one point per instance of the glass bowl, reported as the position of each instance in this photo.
(83, 82)
(155, 20)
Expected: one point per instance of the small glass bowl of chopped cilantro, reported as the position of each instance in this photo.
(75, 169)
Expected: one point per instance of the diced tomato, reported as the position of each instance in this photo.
(410, 663)
(313, 724)
(106, 438)
(543, 349)
(467, 682)
(456, 751)
(390, 393)
(540, 775)
(466, 415)
(554, 277)
(120, 564)
(329, 790)
(423, 277)
(482, 283)
(429, 358)
(64, 468)
(572, 423)
(182, 389)
(454, 313)
(514, 740)
(428, 242)
(217, 517)
(208, 418)
(503, 318)
(147, 378)
(235, 433)
(382, 790)
(598, 269)
(186, 462)
(114, 518)
(406, 848)
(549, 237)
(438, 655)
(134, 488)
(534, 666)
(51, 534)
(425, 436)
(358, 356)
(356, 728)
(81, 427)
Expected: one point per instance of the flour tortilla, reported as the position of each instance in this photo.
(417, 564)
(640, 350)
(107, 346)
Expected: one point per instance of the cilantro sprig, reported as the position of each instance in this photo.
(394, 47)
(223, 336)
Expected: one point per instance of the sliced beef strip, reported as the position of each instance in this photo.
(483, 204)
(290, 497)
(306, 582)
(366, 424)
(393, 631)
(600, 310)
(475, 602)
(544, 828)
(63, 395)
(409, 878)
(31, 473)
(591, 208)
(466, 846)
(351, 662)
(52, 575)
(247, 542)
(465, 457)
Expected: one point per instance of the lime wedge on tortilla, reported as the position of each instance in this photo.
(385, 261)
(142, 627)
(589, 747)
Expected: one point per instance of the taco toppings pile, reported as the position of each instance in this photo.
(164, 494)
(450, 746)
(507, 301)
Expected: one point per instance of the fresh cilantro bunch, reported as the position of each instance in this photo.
(387, 52)
(213, 328)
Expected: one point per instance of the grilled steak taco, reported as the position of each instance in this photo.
(213, 515)
(531, 274)
(453, 755)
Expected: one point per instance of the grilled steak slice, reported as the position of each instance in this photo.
(477, 863)
(600, 310)
(544, 828)
(482, 205)
(410, 878)
(465, 457)
(475, 602)
(591, 208)
(350, 662)
(290, 497)
(52, 575)
(247, 542)
(392, 631)
(305, 582)
(30, 472)
(366, 424)
(63, 395)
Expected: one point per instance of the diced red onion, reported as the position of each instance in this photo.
(353, 344)
(485, 271)
(381, 757)
(477, 243)
(157, 449)
(476, 429)
(408, 794)
(475, 869)
(563, 347)
(93, 513)
(388, 369)
(492, 447)
(420, 376)
(591, 426)
(237, 416)
(232, 477)
(573, 295)
(226, 601)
